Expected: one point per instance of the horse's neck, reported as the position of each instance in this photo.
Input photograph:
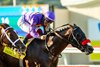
(58, 46)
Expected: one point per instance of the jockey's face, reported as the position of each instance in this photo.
(47, 22)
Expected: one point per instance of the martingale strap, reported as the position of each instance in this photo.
(15, 54)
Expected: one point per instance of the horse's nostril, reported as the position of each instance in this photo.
(88, 53)
(90, 49)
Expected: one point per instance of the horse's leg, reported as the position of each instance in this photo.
(30, 64)
(55, 63)
(37, 64)
(26, 63)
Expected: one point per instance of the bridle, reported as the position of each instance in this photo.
(63, 38)
(74, 38)
(4, 33)
(69, 35)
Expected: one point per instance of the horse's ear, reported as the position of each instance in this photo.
(75, 25)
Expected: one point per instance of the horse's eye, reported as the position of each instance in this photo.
(78, 35)
(8, 34)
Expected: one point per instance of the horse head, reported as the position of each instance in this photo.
(72, 34)
(9, 38)
(79, 40)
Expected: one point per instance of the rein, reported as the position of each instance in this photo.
(57, 34)
(71, 33)
(54, 30)
(61, 37)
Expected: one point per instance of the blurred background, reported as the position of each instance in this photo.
(84, 13)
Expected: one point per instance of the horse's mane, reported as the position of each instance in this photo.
(62, 29)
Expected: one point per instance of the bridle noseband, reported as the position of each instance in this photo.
(4, 33)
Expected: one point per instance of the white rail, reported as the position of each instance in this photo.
(75, 50)
(72, 50)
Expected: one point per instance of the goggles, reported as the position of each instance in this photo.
(49, 21)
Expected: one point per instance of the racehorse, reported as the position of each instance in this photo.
(37, 55)
(56, 42)
(9, 38)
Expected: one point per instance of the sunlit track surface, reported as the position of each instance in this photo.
(80, 66)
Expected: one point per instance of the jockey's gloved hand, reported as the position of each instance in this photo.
(39, 31)
(43, 37)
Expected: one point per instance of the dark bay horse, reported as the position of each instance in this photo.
(56, 42)
(9, 38)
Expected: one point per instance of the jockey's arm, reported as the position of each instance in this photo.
(41, 34)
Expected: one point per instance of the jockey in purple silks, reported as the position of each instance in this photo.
(36, 24)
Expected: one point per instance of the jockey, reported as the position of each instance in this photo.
(36, 24)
